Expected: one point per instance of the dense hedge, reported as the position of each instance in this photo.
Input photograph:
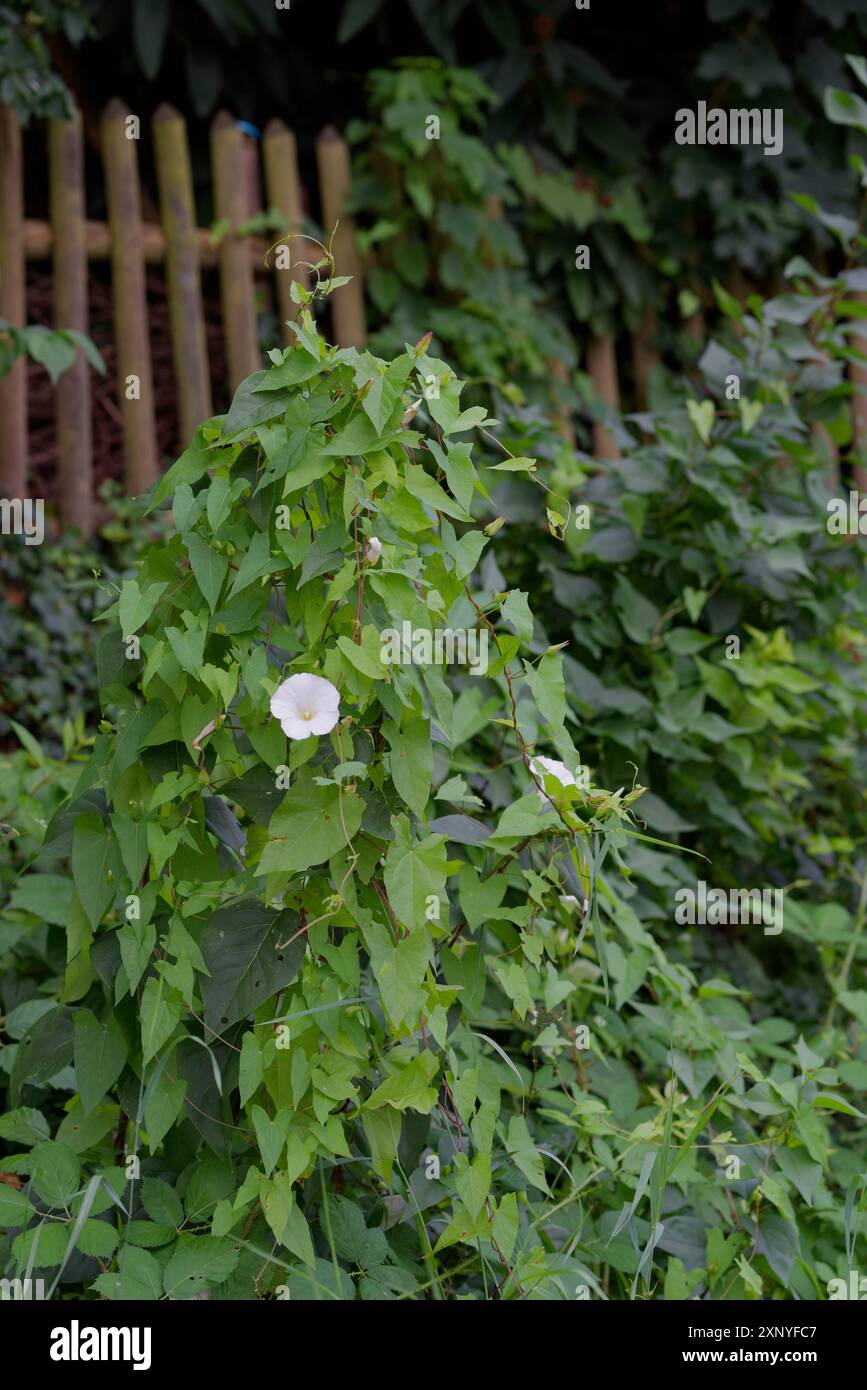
(332, 969)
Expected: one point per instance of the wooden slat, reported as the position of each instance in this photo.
(602, 367)
(237, 290)
(283, 188)
(347, 303)
(186, 315)
(130, 301)
(74, 452)
(13, 387)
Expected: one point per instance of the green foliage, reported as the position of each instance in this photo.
(27, 82)
(289, 976)
(363, 1014)
(54, 349)
(715, 627)
(374, 1022)
(49, 647)
(442, 251)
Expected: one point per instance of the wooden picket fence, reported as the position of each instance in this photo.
(70, 241)
(241, 168)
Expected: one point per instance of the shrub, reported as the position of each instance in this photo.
(48, 643)
(277, 950)
(312, 1034)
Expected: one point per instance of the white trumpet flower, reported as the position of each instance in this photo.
(305, 705)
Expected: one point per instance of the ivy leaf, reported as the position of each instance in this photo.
(385, 390)
(694, 601)
(636, 613)
(701, 414)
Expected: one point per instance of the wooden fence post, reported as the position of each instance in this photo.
(602, 367)
(347, 303)
(13, 308)
(74, 452)
(175, 180)
(283, 188)
(141, 466)
(237, 288)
